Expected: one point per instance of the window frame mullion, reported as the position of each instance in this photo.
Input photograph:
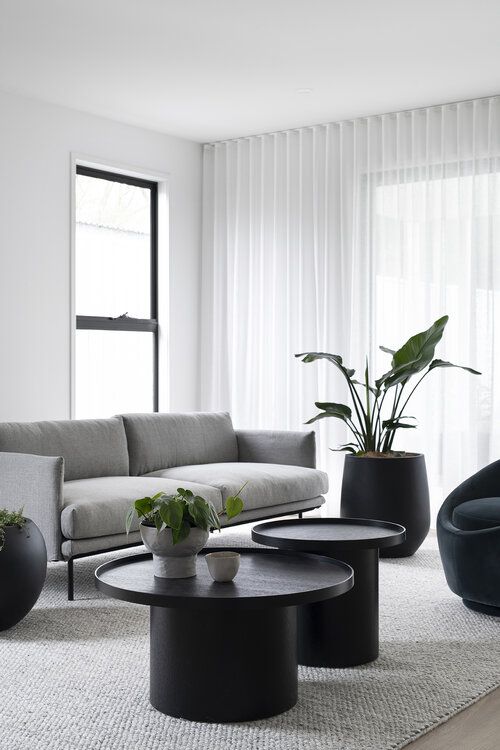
(100, 323)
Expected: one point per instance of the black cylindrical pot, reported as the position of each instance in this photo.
(23, 567)
(389, 489)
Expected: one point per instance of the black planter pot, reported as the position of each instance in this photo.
(389, 489)
(23, 567)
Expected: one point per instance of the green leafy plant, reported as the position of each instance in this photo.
(376, 417)
(10, 518)
(181, 512)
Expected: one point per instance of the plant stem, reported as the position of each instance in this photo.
(379, 400)
(356, 433)
(385, 434)
(392, 433)
(356, 400)
(368, 417)
(413, 390)
(407, 400)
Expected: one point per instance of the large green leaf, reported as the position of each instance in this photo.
(144, 506)
(160, 499)
(234, 506)
(419, 349)
(441, 363)
(172, 513)
(414, 355)
(199, 510)
(181, 533)
(158, 522)
(396, 424)
(324, 415)
(348, 447)
(334, 359)
(340, 411)
(333, 408)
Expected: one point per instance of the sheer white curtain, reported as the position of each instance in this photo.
(344, 236)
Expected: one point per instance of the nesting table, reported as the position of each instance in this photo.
(226, 651)
(337, 632)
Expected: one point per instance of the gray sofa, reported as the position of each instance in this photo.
(77, 478)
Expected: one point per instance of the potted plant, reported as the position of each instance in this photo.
(380, 482)
(23, 566)
(176, 527)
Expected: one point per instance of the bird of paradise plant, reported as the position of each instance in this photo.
(375, 416)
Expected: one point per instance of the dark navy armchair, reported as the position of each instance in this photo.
(468, 530)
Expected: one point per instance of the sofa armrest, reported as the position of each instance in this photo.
(277, 447)
(35, 483)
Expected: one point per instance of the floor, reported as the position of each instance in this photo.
(476, 728)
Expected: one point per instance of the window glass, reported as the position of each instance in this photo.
(114, 373)
(113, 248)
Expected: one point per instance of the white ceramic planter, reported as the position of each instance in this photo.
(173, 560)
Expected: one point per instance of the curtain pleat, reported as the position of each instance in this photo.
(345, 236)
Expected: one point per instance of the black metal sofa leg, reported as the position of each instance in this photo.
(71, 586)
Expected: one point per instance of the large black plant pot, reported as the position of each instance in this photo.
(389, 489)
(23, 567)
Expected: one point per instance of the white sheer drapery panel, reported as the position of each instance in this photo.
(345, 236)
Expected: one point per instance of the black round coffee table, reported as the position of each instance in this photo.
(344, 632)
(226, 651)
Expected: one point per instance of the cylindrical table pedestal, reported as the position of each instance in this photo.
(343, 632)
(223, 665)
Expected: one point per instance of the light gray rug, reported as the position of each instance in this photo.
(74, 676)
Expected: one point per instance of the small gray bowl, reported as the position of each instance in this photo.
(223, 565)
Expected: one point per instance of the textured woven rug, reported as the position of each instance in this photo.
(75, 675)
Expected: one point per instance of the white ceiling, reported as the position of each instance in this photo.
(214, 69)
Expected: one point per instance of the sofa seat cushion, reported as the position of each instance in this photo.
(97, 507)
(268, 484)
(483, 513)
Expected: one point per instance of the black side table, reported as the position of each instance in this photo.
(343, 632)
(226, 651)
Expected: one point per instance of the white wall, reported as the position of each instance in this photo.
(36, 142)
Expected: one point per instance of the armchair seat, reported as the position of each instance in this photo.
(468, 530)
(482, 513)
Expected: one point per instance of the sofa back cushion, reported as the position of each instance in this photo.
(90, 447)
(161, 441)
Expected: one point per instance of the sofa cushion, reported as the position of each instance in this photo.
(268, 484)
(97, 507)
(161, 441)
(90, 447)
(483, 513)
(296, 448)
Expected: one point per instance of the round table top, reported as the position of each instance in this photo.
(326, 534)
(266, 578)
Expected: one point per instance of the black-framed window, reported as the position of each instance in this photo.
(116, 293)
